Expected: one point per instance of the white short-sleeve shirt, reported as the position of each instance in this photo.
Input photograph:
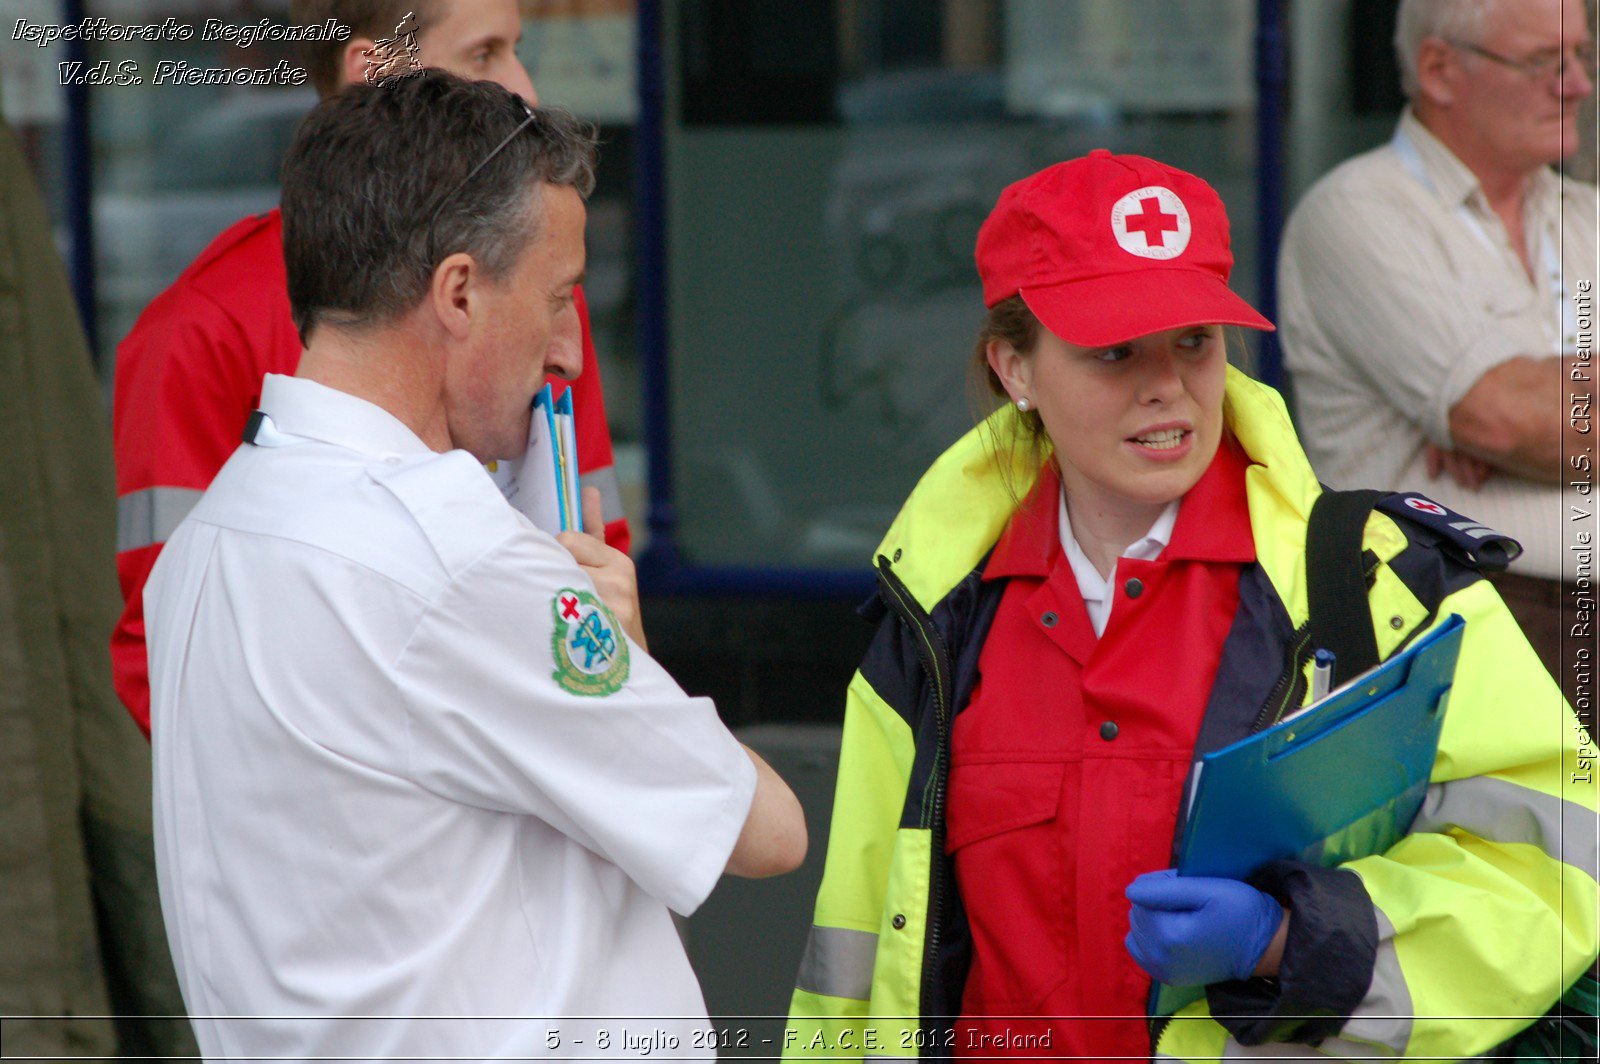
(406, 803)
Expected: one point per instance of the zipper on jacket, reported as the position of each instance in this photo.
(1290, 689)
(1158, 1027)
(935, 657)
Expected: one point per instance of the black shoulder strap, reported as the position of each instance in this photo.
(1336, 585)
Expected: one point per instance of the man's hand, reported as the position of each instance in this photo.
(1517, 416)
(1465, 470)
(1196, 930)
(609, 568)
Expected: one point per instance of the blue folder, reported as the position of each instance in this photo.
(1340, 781)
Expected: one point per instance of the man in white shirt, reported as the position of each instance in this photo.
(420, 789)
(1430, 292)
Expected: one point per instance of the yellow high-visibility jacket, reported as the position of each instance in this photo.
(1441, 947)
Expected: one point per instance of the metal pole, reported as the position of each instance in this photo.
(1272, 79)
(650, 271)
(78, 158)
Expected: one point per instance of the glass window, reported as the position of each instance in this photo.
(828, 165)
(34, 104)
(1345, 88)
(175, 162)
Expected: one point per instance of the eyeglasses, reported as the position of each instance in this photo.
(531, 117)
(1551, 66)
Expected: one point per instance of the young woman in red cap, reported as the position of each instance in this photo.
(1101, 582)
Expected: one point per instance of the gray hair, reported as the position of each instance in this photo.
(383, 182)
(1453, 20)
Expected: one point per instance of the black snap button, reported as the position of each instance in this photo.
(1396, 623)
(1108, 730)
(898, 921)
(1134, 587)
(1049, 619)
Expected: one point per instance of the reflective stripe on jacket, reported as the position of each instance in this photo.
(1482, 914)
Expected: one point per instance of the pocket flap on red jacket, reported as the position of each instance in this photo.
(987, 799)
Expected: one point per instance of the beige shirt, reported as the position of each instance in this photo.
(1398, 289)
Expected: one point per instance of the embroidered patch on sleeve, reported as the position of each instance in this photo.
(590, 651)
(1475, 544)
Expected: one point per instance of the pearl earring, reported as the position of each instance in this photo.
(1022, 405)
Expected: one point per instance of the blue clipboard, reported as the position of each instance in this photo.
(1340, 781)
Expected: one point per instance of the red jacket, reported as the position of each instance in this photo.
(1068, 763)
(187, 377)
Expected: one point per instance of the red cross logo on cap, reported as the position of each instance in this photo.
(569, 607)
(1426, 507)
(1151, 222)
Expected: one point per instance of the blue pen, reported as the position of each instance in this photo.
(1321, 675)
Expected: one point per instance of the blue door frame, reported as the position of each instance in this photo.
(78, 162)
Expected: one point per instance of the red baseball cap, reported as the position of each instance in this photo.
(1107, 248)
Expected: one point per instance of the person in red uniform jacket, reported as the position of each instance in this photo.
(1092, 590)
(189, 373)
(1123, 374)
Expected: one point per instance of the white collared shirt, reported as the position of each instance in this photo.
(374, 797)
(1096, 589)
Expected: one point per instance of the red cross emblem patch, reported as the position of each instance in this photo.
(588, 649)
(1426, 506)
(1151, 222)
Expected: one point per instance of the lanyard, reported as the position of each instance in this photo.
(1565, 317)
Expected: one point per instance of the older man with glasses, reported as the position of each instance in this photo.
(1431, 294)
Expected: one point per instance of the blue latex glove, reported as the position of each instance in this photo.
(1195, 930)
